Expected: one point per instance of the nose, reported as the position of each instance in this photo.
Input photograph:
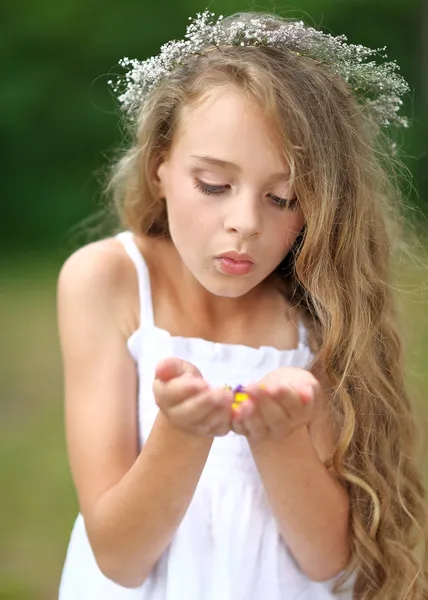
(244, 215)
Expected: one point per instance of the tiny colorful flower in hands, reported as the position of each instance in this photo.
(239, 395)
(276, 409)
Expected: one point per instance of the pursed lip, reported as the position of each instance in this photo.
(237, 256)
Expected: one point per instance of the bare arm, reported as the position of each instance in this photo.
(292, 440)
(133, 522)
(310, 505)
(132, 503)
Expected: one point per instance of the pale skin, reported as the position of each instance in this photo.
(130, 511)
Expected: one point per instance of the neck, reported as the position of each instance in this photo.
(218, 312)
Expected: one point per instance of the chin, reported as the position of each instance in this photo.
(233, 287)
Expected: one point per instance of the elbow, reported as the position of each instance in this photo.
(115, 562)
(118, 567)
(322, 576)
(121, 576)
(321, 573)
(336, 557)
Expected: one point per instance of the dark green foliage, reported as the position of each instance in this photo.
(57, 115)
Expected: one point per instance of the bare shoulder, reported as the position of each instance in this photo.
(95, 287)
(105, 260)
(101, 274)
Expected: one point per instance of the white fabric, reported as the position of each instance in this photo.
(228, 546)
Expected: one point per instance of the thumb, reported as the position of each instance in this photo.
(171, 367)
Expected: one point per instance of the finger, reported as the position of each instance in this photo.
(286, 399)
(241, 416)
(205, 409)
(217, 424)
(277, 413)
(177, 390)
(171, 367)
(244, 411)
(211, 408)
(269, 409)
(256, 426)
(290, 400)
(308, 393)
(239, 427)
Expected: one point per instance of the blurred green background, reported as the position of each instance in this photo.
(59, 128)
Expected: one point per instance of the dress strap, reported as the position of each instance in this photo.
(303, 335)
(143, 275)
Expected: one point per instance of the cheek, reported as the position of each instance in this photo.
(188, 214)
(291, 224)
(298, 223)
(179, 196)
(191, 209)
(286, 230)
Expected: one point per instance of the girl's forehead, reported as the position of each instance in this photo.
(227, 116)
(220, 101)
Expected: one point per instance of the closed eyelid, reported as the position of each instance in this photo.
(218, 190)
(217, 185)
(215, 176)
(290, 195)
(206, 165)
(211, 178)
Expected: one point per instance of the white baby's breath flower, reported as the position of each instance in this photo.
(381, 83)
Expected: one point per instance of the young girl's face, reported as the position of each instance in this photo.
(227, 189)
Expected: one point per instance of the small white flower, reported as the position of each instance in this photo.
(380, 82)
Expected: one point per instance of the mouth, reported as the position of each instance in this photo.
(237, 257)
(231, 266)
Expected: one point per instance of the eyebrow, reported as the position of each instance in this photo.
(210, 161)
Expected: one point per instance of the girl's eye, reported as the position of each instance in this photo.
(208, 189)
(282, 204)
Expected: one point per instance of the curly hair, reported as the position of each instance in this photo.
(338, 272)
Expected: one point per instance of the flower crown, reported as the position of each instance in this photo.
(378, 86)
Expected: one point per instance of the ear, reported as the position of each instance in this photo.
(158, 175)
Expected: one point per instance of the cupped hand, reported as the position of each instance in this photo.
(277, 405)
(188, 401)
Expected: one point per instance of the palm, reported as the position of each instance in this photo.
(294, 375)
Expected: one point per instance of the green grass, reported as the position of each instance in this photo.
(37, 502)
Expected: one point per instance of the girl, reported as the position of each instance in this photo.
(257, 224)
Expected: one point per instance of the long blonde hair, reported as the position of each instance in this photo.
(339, 273)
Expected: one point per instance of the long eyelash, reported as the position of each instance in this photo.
(282, 204)
(207, 189)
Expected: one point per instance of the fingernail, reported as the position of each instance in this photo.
(306, 394)
(236, 414)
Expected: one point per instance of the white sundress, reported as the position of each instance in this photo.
(228, 546)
